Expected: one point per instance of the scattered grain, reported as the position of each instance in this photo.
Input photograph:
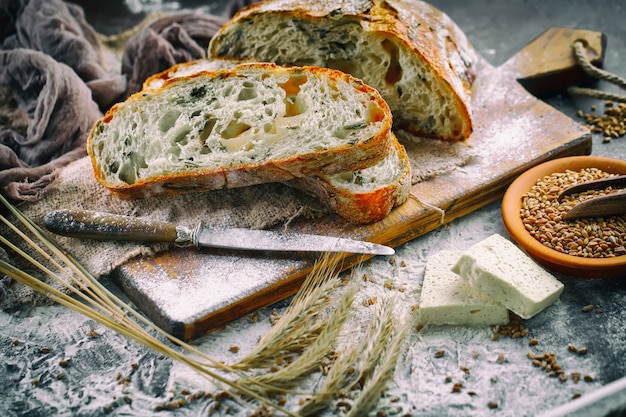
(492, 405)
(612, 123)
(588, 308)
(369, 301)
(440, 353)
(533, 342)
(514, 329)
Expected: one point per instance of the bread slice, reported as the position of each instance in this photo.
(501, 270)
(364, 196)
(447, 298)
(413, 54)
(247, 125)
(367, 195)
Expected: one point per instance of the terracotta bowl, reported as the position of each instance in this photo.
(551, 259)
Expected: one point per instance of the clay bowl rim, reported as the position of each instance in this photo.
(550, 258)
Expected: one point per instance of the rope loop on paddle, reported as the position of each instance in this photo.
(578, 48)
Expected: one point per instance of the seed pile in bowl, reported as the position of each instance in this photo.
(542, 215)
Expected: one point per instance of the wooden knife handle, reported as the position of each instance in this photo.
(107, 226)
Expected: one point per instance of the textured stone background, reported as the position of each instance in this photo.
(90, 385)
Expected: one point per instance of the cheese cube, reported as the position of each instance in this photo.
(498, 268)
(448, 299)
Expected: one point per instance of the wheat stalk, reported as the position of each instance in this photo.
(310, 327)
(370, 365)
(339, 376)
(96, 302)
(379, 369)
(301, 323)
(287, 377)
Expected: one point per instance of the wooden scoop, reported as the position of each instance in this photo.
(602, 206)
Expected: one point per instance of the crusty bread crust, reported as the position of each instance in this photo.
(364, 146)
(412, 41)
(156, 81)
(366, 203)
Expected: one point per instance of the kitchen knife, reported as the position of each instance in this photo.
(107, 226)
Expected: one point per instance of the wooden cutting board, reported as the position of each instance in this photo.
(189, 292)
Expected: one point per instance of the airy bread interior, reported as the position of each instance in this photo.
(247, 117)
(388, 171)
(416, 96)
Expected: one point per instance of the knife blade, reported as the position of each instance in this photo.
(107, 226)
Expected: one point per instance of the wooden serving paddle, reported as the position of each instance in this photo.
(546, 66)
(191, 292)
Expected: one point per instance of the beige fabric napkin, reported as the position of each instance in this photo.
(258, 207)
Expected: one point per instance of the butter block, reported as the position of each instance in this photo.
(449, 299)
(498, 268)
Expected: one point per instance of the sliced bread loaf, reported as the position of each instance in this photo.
(413, 54)
(364, 196)
(367, 195)
(250, 124)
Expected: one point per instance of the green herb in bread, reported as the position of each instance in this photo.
(447, 298)
(250, 124)
(412, 53)
(501, 270)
